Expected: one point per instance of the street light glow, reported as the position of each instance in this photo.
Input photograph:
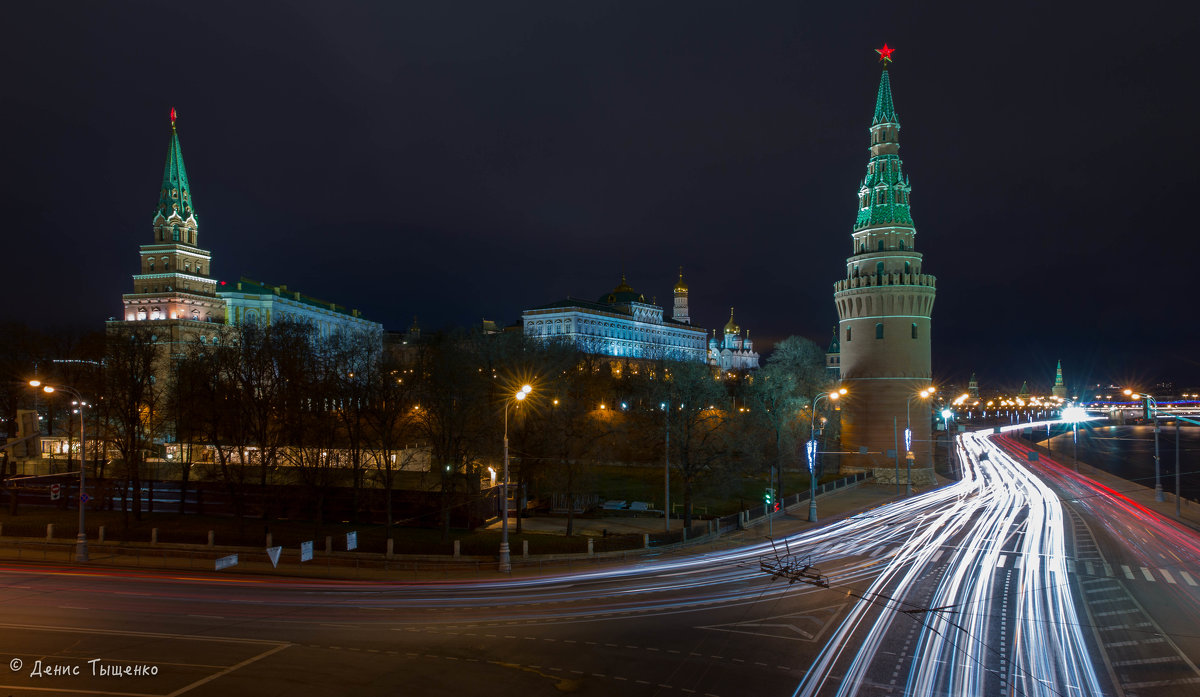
(1074, 414)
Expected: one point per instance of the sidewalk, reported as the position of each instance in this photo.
(198, 561)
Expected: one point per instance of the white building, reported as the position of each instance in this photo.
(251, 301)
(733, 351)
(620, 323)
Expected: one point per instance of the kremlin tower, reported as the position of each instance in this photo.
(884, 306)
(174, 288)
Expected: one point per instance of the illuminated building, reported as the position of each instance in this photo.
(733, 351)
(1059, 390)
(175, 290)
(251, 301)
(174, 285)
(884, 303)
(620, 323)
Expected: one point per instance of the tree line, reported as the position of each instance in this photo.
(342, 413)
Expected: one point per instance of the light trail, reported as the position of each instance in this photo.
(1000, 617)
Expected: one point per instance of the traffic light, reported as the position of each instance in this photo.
(768, 496)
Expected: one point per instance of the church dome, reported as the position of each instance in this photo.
(681, 287)
(623, 293)
(731, 326)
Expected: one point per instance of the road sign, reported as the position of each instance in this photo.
(226, 562)
(83, 498)
(306, 551)
(351, 540)
(273, 554)
(55, 492)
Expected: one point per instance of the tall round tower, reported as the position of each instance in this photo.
(884, 306)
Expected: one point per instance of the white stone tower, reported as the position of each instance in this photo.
(884, 305)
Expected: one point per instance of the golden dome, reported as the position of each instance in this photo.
(681, 287)
(731, 326)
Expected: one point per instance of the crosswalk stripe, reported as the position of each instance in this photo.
(1187, 577)
(1071, 566)
(1107, 569)
(1167, 575)
(1128, 572)
(1001, 561)
(1020, 561)
(1091, 571)
(1146, 572)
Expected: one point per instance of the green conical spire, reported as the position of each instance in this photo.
(176, 194)
(1058, 379)
(885, 111)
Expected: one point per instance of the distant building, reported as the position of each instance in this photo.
(1059, 390)
(620, 323)
(174, 286)
(251, 301)
(733, 351)
(175, 290)
(833, 357)
(973, 387)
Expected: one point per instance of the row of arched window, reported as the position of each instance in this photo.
(878, 331)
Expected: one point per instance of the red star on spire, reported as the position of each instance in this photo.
(172, 116)
(885, 54)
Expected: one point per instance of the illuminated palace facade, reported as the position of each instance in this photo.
(174, 288)
(884, 305)
(621, 323)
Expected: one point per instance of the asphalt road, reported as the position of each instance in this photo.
(989, 586)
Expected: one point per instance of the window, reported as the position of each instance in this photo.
(175, 233)
(907, 267)
(880, 247)
(879, 267)
(151, 265)
(848, 333)
(879, 330)
(902, 245)
(914, 330)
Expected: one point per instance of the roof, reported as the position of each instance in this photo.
(176, 193)
(570, 303)
(623, 293)
(246, 286)
(885, 111)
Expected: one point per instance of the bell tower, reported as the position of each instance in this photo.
(884, 304)
(680, 313)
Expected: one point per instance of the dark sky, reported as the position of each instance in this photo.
(467, 160)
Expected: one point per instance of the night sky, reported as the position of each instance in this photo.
(467, 160)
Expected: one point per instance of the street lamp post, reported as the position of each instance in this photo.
(1152, 405)
(666, 406)
(909, 456)
(947, 419)
(810, 449)
(81, 548)
(505, 565)
(1074, 414)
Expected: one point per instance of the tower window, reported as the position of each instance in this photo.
(907, 267)
(880, 247)
(914, 330)
(848, 333)
(879, 267)
(902, 245)
(151, 265)
(879, 330)
(175, 233)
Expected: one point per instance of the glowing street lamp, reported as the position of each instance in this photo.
(909, 456)
(505, 565)
(810, 449)
(1074, 414)
(81, 549)
(1151, 407)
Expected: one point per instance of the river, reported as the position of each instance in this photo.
(1128, 452)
